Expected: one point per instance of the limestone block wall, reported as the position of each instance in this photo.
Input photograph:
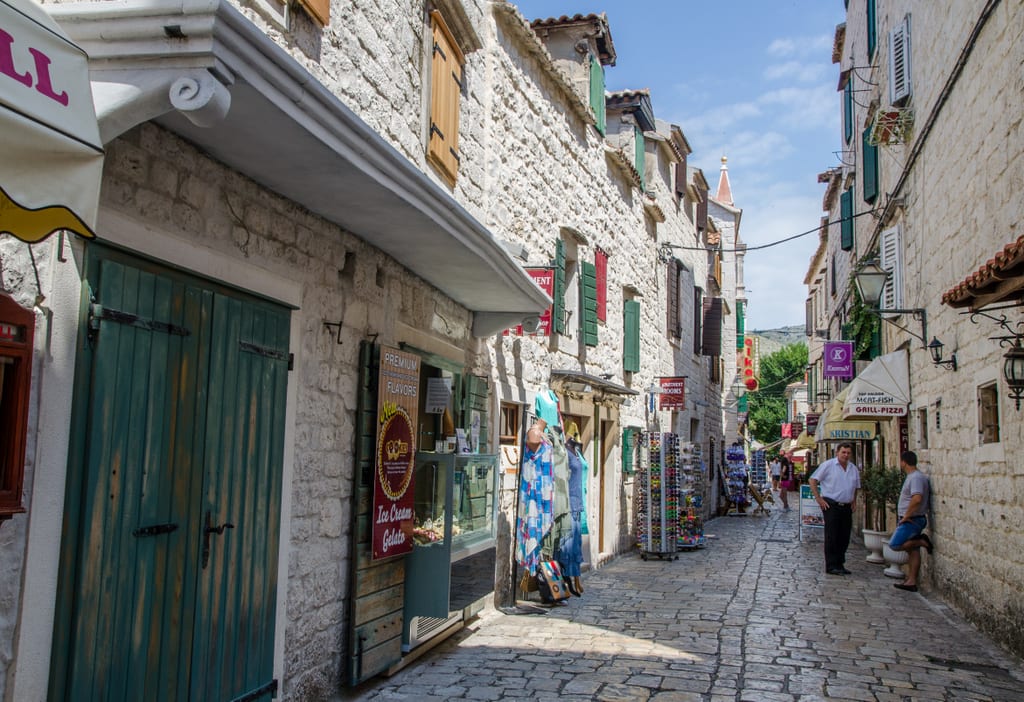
(961, 206)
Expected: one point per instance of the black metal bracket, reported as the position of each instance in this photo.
(1013, 329)
(330, 327)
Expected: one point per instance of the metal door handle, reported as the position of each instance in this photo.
(210, 529)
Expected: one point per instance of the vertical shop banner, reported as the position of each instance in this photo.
(673, 394)
(904, 430)
(397, 402)
(545, 279)
(838, 359)
(812, 423)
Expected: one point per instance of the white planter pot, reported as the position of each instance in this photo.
(895, 559)
(873, 542)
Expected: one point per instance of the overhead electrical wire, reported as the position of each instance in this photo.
(773, 243)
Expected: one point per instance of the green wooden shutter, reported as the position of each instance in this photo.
(477, 398)
(872, 31)
(875, 347)
(631, 336)
(588, 296)
(870, 168)
(640, 155)
(630, 436)
(597, 94)
(846, 215)
(558, 296)
(848, 108)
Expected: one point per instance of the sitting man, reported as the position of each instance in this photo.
(912, 508)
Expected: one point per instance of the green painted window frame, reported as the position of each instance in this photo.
(597, 104)
(588, 306)
(846, 215)
(630, 336)
(869, 176)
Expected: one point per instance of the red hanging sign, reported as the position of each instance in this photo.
(673, 394)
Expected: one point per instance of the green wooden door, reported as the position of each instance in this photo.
(180, 400)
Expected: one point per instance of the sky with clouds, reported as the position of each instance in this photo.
(750, 80)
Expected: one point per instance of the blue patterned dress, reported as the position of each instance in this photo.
(536, 492)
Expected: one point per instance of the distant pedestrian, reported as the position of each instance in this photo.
(912, 510)
(776, 470)
(786, 482)
(834, 486)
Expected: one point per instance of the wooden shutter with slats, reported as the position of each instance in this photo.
(846, 217)
(558, 296)
(869, 176)
(597, 94)
(588, 303)
(445, 93)
(601, 268)
(673, 326)
(711, 344)
(631, 336)
(899, 62)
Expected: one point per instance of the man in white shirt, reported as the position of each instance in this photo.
(776, 471)
(834, 486)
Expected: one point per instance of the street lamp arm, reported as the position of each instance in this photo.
(917, 312)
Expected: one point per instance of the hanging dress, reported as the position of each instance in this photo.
(536, 490)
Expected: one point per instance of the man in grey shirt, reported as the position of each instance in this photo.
(912, 511)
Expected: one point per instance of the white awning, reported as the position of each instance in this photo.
(52, 158)
(832, 426)
(880, 390)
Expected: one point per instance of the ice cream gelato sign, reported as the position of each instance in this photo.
(397, 403)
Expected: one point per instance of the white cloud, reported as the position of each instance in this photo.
(800, 46)
(796, 71)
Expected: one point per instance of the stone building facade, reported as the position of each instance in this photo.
(932, 162)
(288, 161)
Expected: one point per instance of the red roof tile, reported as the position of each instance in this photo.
(1001, 278)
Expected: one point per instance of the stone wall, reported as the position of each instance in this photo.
(961, 205)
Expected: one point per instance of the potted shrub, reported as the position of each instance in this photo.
(881, 490)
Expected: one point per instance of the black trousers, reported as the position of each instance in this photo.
(838, 523)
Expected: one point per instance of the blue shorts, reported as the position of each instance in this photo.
(905, 531)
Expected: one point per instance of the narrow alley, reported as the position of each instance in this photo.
(750, 617)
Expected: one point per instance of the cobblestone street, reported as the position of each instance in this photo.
(750, 617)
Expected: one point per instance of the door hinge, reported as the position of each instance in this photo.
(291, 361)
(98, 313)
(264, 351)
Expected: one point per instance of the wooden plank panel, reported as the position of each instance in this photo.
(379, 578)
(377, 660)
(380, 631)
(380, 604)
